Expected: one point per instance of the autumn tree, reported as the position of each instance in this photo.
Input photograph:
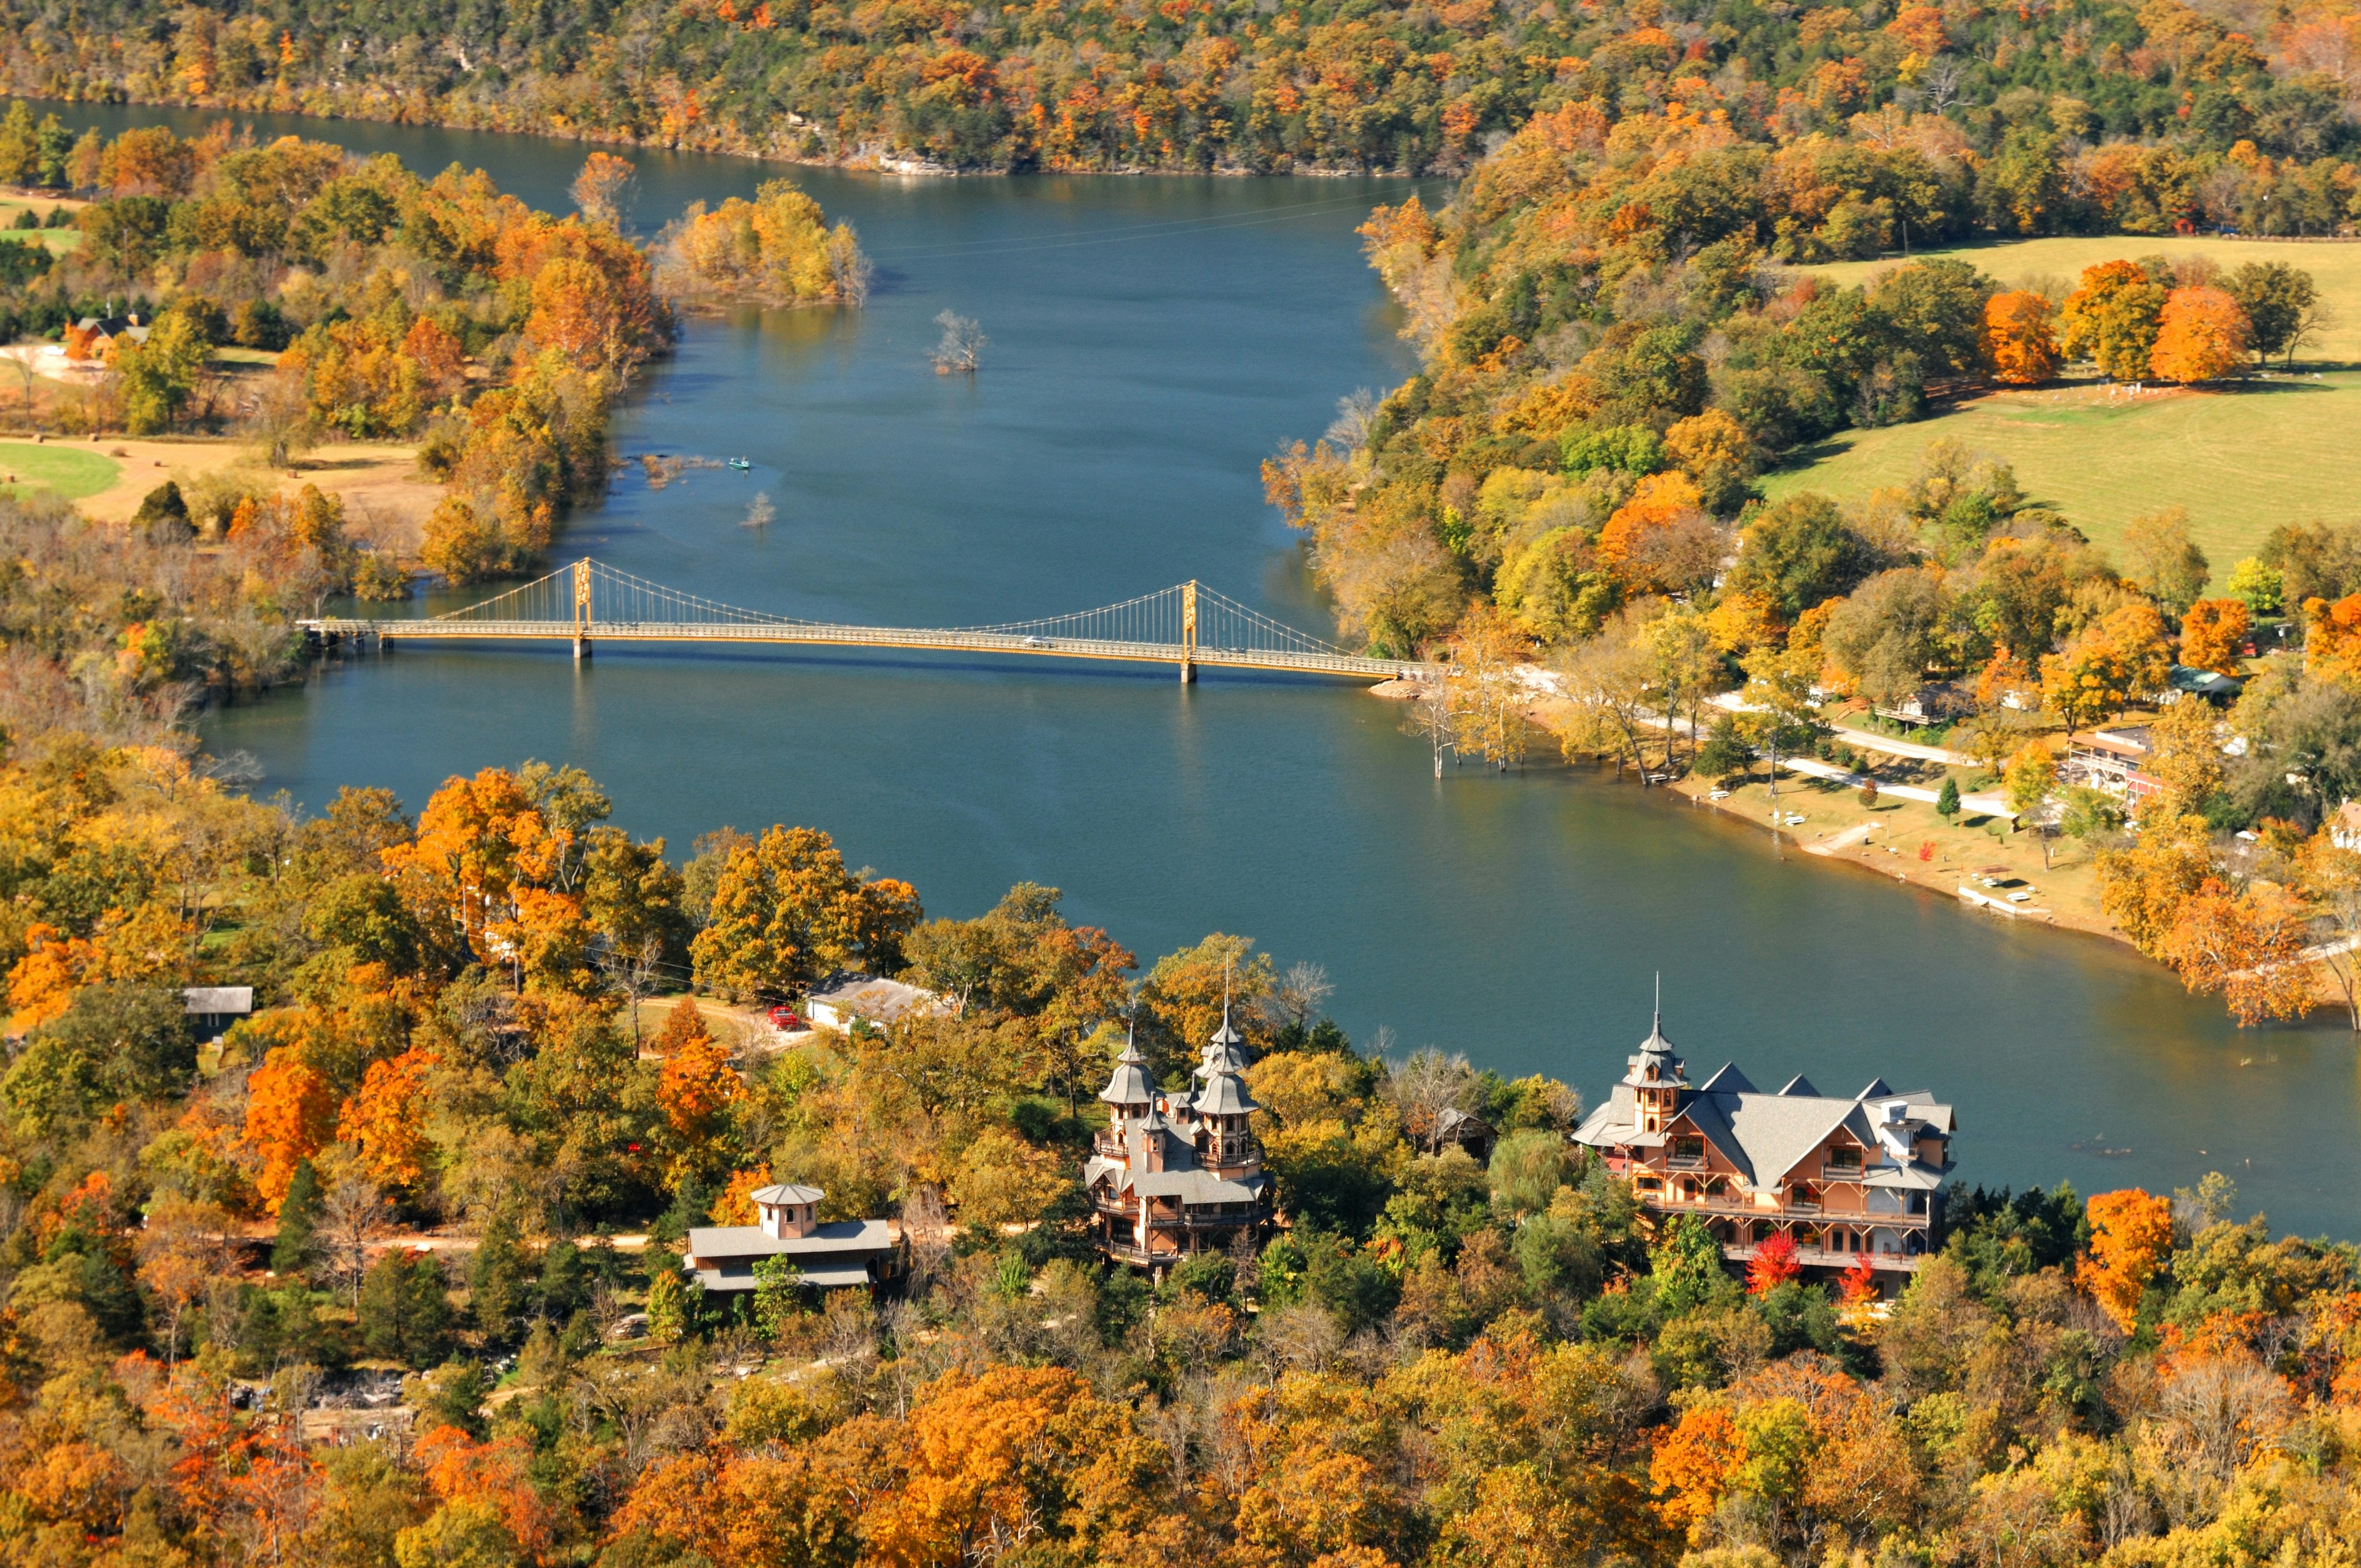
(2248, 945)
(2143, 887)
(2331, 638)
(2214, 635)
(786, 912)
(291, 1113)
(2185, 756)
(2020, 344)
(2164, 562)
(1773, 1264)
(2201, 335)
(2131, 1234)
(2111, 320)
(602, 190)
(385, 1119)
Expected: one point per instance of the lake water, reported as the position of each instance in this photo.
(1150, 340)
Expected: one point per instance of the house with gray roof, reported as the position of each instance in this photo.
(1844, 1177)
(1177, 1173)
(831, 1255)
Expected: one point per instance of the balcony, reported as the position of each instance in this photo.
(1820, 1257)
(1747, 1209)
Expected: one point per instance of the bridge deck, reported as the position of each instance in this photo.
(820, 635)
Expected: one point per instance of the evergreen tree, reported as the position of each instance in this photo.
(501, 1282)
(299, 1216)
(405, 1315)
(1947, 801)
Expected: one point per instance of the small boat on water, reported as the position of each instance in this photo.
(740, 463)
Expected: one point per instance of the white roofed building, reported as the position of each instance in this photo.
(1178, 1173)
(830, 1255)
(1844, 1177)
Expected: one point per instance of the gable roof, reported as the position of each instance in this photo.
(1726, 1081)
(1799, 1084)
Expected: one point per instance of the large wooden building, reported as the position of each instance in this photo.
(1178, 1173)
(1844, 1178)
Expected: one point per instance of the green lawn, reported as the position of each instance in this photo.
(64, 471)
(2241, 461)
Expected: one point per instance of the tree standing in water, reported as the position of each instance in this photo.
(961, 349)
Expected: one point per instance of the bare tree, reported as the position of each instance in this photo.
(632, 973)
(759, 511)
(848, 267)
(1355, 413)
(351, 1212)
(961, 349)
(926, 1225)
(1426, 1086)
(1300, 995)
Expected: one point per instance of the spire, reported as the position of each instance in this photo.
(1656, 1062)
(1131, 1084)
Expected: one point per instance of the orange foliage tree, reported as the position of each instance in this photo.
(290, 1112)
(2332, 638)
(2020, 342)
(1659, 501)
(2131, 1233)
(2200, 336)
(2248, 945)
(2214, 634)
(385, 1117)
(1693, 1464)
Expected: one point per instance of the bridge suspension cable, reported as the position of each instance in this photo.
(589, 601)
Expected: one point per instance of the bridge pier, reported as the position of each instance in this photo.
(1188, 672)
(581, 649)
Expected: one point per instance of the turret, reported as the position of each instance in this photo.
(1656, 1077)
(1130, 1093)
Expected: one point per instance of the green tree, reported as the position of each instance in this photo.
(1725, 754)
(299, 1218)
(159, 376)
(405, 1314)
(2282, 305)
(1947, 799)
(668, 1304)
(1799, 552)
(1686, 1264)
(778, 1295)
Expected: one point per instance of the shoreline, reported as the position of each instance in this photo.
(860, 161)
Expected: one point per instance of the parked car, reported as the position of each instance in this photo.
(786, 1018)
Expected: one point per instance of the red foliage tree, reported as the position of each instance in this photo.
(1774, 1263)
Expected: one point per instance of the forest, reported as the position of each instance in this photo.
(388, 1273)
(2065, 112)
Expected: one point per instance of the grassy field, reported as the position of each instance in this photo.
(59, 470)
(59, 241)
(2242, 460)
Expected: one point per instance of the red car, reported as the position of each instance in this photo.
(786, 1018)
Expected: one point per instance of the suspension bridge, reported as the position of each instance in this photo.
(590, 602)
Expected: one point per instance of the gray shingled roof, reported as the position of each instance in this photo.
(787, 1192)
(1130, 1085)
(1225, 1094)
(841, 1238)
(1729, 1080)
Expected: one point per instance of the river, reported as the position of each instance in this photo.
(1150, 340)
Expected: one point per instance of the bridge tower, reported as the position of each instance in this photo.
(582, 608)
(1189, 633)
